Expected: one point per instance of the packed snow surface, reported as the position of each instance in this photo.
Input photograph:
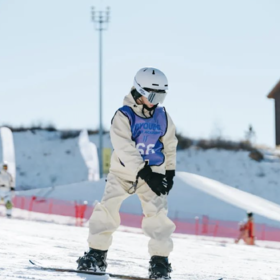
(193, 258)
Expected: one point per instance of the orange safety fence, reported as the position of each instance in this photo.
(196, 226)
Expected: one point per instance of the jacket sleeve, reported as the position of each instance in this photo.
(124, 146)
(170, 141)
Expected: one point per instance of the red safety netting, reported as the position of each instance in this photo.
(197, 226)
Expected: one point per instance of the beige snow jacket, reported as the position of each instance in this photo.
(125, 150)
(6, 180)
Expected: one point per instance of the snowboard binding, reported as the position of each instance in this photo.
(93, 260)
(159, 268)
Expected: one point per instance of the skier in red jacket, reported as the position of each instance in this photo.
(247, 231)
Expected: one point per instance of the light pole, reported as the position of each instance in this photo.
(101, 18)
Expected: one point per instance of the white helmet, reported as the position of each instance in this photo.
(151, 83)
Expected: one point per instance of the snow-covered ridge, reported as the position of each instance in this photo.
(45, 160)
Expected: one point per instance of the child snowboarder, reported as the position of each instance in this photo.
(144, 162)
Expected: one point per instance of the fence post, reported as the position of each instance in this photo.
(263, 232)
(196, 225)
(216, 229)
(50, 206)
(31, 203)
(205, 220)
(77, 210)
(83, 210)
(80, 210)
(22, 202)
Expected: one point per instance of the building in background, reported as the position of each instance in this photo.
(275, 94)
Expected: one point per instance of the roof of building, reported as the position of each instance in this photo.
(275, 91)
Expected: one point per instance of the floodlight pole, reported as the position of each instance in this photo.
(101, 18)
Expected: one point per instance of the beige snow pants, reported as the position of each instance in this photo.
(6, 197)
(105, 218)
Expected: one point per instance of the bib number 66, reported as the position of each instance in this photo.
(143, 150)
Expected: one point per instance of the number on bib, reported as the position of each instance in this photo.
(143, 150)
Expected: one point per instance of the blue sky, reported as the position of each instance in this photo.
(221, 59)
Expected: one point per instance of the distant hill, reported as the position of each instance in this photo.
(48, 158)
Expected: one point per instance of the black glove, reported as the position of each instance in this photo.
(156, 181)
(12, 189)
(169, 177)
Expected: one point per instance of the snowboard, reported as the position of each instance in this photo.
(112, 275)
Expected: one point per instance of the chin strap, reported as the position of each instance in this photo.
(150, 110)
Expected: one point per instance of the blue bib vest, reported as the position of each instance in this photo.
(146, 133)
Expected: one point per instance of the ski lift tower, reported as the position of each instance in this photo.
(101, 19)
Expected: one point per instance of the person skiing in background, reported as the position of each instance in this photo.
(143, 161)
(6, 188)
(247, 230)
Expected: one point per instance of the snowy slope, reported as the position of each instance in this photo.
(236, 169)
(45, 160)
(193, 258)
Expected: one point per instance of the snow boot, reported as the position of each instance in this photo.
(159, 268)
(9, 207)
(94, 260)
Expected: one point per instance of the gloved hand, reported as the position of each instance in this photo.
(156, 181)
(12, 189)
(169, 174)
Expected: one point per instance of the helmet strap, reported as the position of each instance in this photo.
(135, 94)
(150, 109)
